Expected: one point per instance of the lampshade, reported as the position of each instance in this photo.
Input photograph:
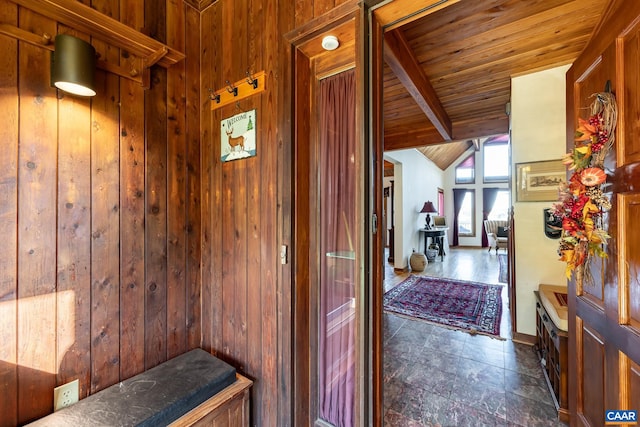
(428, 208)
(73, 65)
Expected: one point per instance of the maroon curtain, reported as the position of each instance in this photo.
(337, 174)
(458, 198)
(489, 196)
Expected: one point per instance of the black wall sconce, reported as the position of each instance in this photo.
(73, 65)
(552, 224)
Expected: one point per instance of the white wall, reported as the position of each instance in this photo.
(450, 184)
(416, 180)
(538, 132)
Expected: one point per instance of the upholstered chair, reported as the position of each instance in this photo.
(498, 233)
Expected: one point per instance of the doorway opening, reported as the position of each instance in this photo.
(445, 360)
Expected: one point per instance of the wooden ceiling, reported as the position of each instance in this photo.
(447, 75)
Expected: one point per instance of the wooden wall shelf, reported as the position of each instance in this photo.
(87, 20)
(83, 18)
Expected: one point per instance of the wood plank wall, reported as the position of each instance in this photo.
(99, 213)
(246, 291)
(306, 10)
(125, 240)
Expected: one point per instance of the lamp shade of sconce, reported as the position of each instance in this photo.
(73, 65)
(330, 43)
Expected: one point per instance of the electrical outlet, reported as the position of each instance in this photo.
(65, 395)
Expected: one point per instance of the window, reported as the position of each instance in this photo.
(496, 159)
(466, 217)
(440, 202)
(465, 171)
(501, 206)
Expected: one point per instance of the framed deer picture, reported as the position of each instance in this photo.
(238, 136)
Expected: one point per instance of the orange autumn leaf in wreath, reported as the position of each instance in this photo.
(576, 187)
(568, 257)
(585, 130)
(592, 176)
(589, 209)
(588, 225)
(573, 258)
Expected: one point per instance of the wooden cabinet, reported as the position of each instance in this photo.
(551, 345)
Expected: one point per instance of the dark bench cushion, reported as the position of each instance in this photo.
(156, 397)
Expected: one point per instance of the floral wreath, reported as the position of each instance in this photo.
(582, 202)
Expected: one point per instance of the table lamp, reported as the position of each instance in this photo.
(428, 208)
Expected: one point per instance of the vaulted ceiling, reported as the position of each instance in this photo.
(447, 75)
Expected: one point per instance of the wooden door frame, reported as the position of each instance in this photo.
(310, 63)
(376, 165)
(382, 17)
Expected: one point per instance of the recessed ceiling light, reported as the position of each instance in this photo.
(330, 43)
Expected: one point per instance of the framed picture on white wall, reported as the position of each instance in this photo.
(539, 181)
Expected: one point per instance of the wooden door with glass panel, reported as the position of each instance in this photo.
(329, 231)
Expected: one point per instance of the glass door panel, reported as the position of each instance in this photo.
(337, 226)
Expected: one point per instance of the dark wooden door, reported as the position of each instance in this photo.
(604, 322)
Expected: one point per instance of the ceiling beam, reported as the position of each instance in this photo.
(463, 130)
(401, 60)
(412, 139)
(401, 12)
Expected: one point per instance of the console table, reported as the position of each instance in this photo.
(551, 345)
(437, 235)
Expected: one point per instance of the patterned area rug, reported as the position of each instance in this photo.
(472, 307)
(502, 276)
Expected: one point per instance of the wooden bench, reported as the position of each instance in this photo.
(192, 389)
(230, 407)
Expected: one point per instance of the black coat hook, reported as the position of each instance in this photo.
(231, 88)
(251, 80)
(213, 96)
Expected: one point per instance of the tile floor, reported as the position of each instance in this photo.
(434, 376)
